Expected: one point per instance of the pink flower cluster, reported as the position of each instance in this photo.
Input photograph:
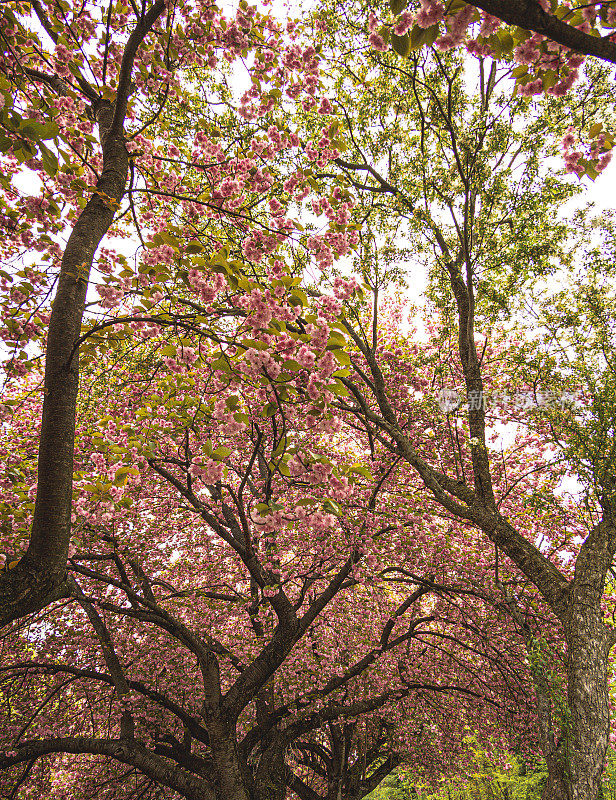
(489, 24)
(208, 470)
(430, 13)
(257, 362)
(319, 334)
(330, 307)
(110, 296)
(322, 252)
(345, 289)
(146, 330)
(456, 29)
(207, 284)
(378, 43)
(404, 23)
(262, 305)
(573, 157)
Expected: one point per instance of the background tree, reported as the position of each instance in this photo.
(464, 179)
(548, 40)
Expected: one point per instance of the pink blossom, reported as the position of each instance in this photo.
(489, 24)
(527, 52)
(345, 289)
(305, 357)
(404, 23)
(430, 13)
(377, 42)
(373, 22)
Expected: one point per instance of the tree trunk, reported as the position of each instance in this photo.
(589, 642)
(270, 778)
(38, 578)
(558, 784)
(588, 698)
(229, 779)
(553, 724)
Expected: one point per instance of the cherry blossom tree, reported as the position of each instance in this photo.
(249, 614)
(203, 505)
(549, 41)
(88, 102)
(438, 176)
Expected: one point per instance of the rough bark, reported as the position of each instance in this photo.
(38, 577)
(588, 645)
(553, 742)
(271, 773)
(558, 784)
(230, 781)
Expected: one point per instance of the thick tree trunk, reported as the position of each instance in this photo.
(229, 779)
(588, 700)
(270, 778)
(38, 578)
(588, 644)
(230, 782)
(552, 724)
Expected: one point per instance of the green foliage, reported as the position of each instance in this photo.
(522, 778)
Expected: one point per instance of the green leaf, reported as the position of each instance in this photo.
(280, 449)
(221, 365)
(291, 364)
(49, 159)
(397, 6)
(422, 36)
(336, 340)
(592, 172)
(506, 40)
(122, 474)
(360, 470)
(595, 130)
(221, 453)
(384, 32)
(338, 389)
(306, 501)
(342, 357)
(401, 44)
(39, 130)
(270, 409)
(256, 344)
(333, 507)
(549, 78)
(298, 298)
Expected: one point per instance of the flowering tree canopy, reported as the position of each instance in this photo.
(253, 557)
(547, 41)
(90, 102)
